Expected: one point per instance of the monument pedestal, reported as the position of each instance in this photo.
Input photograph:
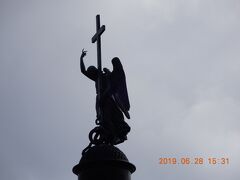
(104, 162)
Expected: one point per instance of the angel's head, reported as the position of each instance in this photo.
(93, 72)
(106, 70)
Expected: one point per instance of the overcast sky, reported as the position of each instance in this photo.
(182, 62)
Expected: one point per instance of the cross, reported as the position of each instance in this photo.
(97, 37)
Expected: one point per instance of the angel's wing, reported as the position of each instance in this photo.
(119, 87)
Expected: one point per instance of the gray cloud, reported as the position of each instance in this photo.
(182, 64)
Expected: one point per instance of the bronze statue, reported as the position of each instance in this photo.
(111, 99)
(111, 105)
(101, 159)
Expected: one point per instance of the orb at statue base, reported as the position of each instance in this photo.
(104, 162)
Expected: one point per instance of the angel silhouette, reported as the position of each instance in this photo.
(112, 103)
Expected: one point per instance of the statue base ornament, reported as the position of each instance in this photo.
(104, 162)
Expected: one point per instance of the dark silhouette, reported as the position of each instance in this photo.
(111, 99)
(111, 103)
(101, 159)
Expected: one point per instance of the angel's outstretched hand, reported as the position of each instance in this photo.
(83, 53)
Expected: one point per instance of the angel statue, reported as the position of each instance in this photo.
(111, 103)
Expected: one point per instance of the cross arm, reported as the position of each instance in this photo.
(98, 34)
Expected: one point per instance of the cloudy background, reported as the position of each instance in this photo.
(182, 60)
